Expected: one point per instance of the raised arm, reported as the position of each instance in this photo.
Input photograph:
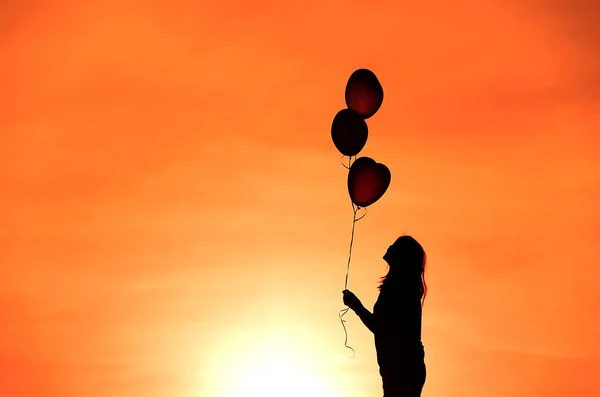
(365, 315)
(367, 318)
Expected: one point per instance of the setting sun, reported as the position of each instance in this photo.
(271, 362)
(276, 377)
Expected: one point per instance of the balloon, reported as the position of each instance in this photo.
(367, 181)
(364, 93)
(349, 132)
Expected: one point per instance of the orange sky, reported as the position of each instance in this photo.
(173, 211)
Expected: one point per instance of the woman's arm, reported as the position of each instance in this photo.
(367, 318)
(355, 304)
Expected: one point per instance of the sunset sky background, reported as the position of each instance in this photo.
(174, 219)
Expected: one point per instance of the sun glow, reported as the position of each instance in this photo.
(275, 378)
(271, 364)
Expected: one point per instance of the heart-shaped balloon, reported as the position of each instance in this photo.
(364, 93)
(349, 132)
(367, 181)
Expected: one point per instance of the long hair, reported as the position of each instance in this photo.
(407, 261)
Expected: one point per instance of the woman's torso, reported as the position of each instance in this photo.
(398, 313)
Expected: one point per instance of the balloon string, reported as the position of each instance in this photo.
(349, 161)
(355, 210)
(351, 243)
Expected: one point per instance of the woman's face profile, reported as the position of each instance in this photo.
(389, 254)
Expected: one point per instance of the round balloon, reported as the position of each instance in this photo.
(364, 93)
(349, 132)
(367, 181)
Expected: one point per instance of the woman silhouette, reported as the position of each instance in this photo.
(396, 319)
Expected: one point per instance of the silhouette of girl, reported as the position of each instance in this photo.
(396, 319)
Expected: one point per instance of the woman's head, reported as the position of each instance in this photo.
(407, 260)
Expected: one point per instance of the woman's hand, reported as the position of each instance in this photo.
(351, 300)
